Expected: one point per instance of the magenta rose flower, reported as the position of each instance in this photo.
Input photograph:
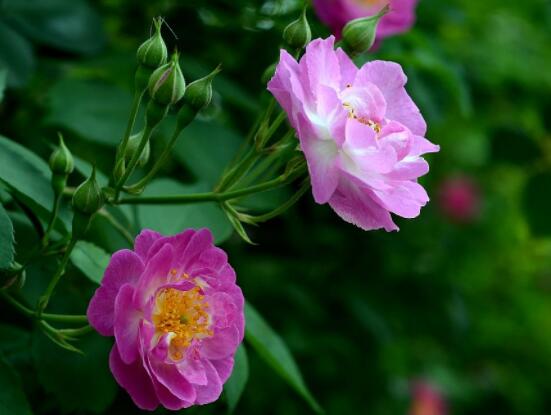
(337, 13)
(177, 316)
(361, 134)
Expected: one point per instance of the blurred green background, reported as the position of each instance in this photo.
(463, 304)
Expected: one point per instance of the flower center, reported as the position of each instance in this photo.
(359, 105)
(184, 315)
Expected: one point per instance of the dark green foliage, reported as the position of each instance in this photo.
(356, 316)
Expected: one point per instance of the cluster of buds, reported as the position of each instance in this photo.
(164, 84)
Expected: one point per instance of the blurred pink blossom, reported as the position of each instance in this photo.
(427, 400)
(177, 317)
(459, 199)
(336, 13)
(361, 133)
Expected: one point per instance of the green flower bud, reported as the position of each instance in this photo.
(167, 84)
(141, 78)
(152, 53)
(61, 160)
(199, 93)
(132, 147)
(359, 34)
(119, 170)
(154, 113)
(88, 197)
(298, 34)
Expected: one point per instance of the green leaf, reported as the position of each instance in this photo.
(275, 353)
(79, 382)
(6, 242)
(173, 219)
(95, 111)
(537, 203)
(12, 398)
(13, 340)
(16, 55)
(70, 25)
(3, 80)
(206, 148)
(90, 259)
(28, 176)
(236, 383)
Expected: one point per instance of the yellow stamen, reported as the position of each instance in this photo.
(183, 314)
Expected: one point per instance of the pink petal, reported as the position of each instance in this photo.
(348, 68)
(321, 157)
(200, 242)
(127, 320)
(135, 380)
(421, 146)
(156, 273)
(221, 345)
(357, 206)
(224, 367)
(124, 267)
(404, 199)
(322, 64)
(144, 241)
(193, 370)
(390, 79)
(170, 377)
(212, 390)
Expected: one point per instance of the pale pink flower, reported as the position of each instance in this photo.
(361, 134)
(337, 13)
(177, 316)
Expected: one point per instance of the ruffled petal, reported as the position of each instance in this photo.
(127, 321)
(135, 380)
(124, 267)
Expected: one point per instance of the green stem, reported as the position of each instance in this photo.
(238, 170)
(216, 196)
(45, 298)
(117, 225)
(159, 163)
(134, 160)
(55, 318)
(53, 217)
(280, 209)
(278, 152)
(130, 126)
(72, 333)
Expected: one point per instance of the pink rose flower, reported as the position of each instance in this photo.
(177, 316)
(360, 132)
(337, 13)
(459, 199)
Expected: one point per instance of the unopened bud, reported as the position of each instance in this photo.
(132, 147)
(152, 53)
(88, 197)
(298, 34)
(61, 165)
(167, 84)
(359, 34)
(61, 160)
(199, 93)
